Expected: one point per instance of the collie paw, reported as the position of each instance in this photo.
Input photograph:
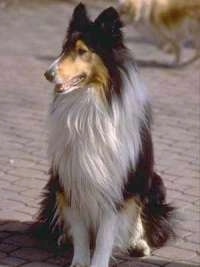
(80, 263)
(140, 249)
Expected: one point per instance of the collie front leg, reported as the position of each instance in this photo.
(104, 240)
(80, 237)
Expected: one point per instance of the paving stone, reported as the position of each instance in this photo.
(7, 248)
(2, 255)
(181, 264)
(14, 215)
(40, 264)
(194, 191)
(61, 261)
(32, 193)
(175, 253)
(17, 197)
(196, 260)
(12, 204)
(194, 238)
(14, 226)
(136, 264)
(31, 254)
(160, 261)
(21, 240)
(12, 261)
(181, 233)
(13, 187)
(9, 178)
(30, 183)
(27, 172)
(3, 235)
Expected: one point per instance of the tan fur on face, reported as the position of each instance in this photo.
(81, 60)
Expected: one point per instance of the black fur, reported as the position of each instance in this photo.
(80, 21)
(144, 183)
(140, 179)
(157, 214)
(45, 227)
(105, 29)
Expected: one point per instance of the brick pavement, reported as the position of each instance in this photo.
(30, 36)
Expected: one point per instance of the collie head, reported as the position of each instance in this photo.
(91, 52)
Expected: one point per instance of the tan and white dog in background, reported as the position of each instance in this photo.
(172, 22)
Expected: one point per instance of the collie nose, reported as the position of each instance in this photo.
(50, 75)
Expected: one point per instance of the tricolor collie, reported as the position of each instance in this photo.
(103, 189)
(171, 22)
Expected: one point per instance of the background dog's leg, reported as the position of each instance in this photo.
(105, 240)
(177, 53)
(80, 237)
(172, 44)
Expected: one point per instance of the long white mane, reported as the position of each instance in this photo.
(92, 146)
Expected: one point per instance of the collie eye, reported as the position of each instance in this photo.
(81, 51)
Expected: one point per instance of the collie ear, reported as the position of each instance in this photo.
(109, 22)
(79, 20)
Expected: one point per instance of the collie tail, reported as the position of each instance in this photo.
(157, 214)
(45, 227)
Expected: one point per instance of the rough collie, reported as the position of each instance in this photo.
(171, 22)
(102, 188)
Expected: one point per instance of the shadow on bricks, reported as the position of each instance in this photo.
(19, 246)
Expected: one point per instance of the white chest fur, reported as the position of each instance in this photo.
(91, 146)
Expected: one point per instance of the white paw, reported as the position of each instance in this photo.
(142, 244)
(80, 262)
(140, 249)
(78, 265)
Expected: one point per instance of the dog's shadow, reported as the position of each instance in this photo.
(17, 241)
(163, 65)
(154, 64)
